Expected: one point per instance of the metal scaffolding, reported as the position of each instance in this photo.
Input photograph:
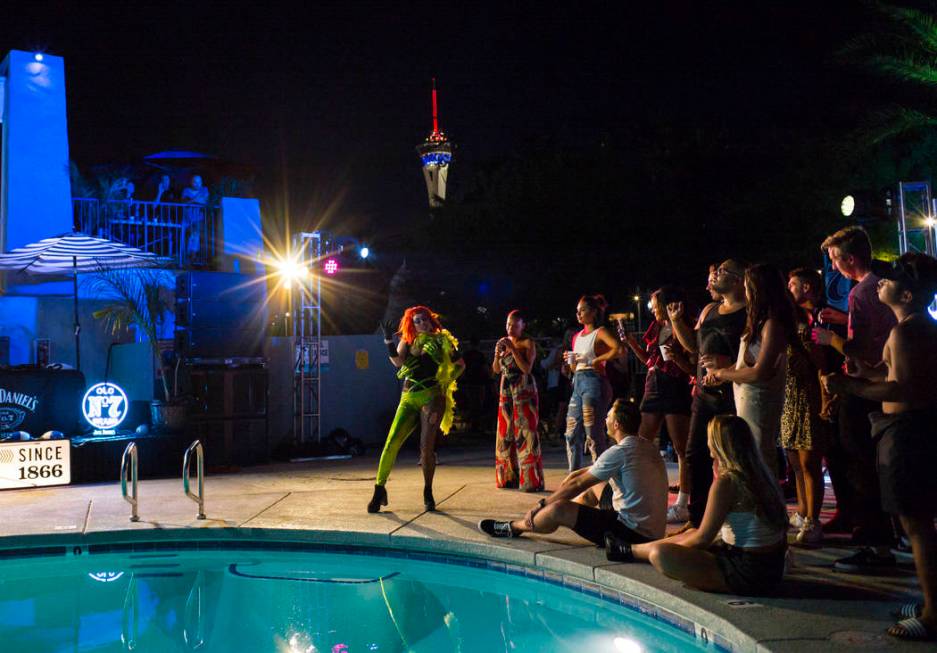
(307, 331)
(916, 217)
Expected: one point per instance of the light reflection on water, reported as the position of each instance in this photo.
(303, 603)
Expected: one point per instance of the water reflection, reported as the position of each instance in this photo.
(310, 603)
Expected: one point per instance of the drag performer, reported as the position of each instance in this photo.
(429, 363)
(517, 440)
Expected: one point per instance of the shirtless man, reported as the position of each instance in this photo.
(907, 387)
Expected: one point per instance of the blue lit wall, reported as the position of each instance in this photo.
(36, 195)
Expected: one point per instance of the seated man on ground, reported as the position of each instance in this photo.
(638, 478)
(745, 507)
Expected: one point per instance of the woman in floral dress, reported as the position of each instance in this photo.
(518, 462)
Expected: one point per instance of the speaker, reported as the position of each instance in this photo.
(220, 314)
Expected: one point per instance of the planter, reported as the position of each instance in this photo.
(167, 416)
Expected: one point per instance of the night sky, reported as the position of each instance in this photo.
(329, 101)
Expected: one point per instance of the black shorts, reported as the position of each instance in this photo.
(593, 524)
(749, 574)
(906, 456)
(665, 394)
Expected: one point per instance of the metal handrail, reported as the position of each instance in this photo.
(130, 453)
(200, 472)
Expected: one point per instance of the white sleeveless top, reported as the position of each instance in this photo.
(769, 390)
(585, 349)
(747, 530)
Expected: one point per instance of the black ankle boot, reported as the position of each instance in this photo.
(379, 499)
(617, 550)
(428, 501)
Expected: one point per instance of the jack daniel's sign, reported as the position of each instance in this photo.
(15, 407)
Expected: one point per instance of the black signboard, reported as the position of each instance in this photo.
(39, 400)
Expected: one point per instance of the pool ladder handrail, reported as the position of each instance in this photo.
(130, 454)
(200, 473)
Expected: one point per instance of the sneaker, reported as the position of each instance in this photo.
(865, 561)
(811, 534)
(496, 528)
(677, 513)
(902, 552)
(617, 550)
(796, 521)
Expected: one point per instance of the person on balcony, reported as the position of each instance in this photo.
(164, 192)
(194, 218)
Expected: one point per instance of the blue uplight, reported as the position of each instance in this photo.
(364, 252)
(436, 158)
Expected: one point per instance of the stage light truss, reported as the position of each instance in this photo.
(306, 295)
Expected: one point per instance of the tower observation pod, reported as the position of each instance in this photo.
(435, 155)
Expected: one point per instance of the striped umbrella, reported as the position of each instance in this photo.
(74, 253)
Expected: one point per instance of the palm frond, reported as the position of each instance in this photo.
(908, 68)
(893, 121)
(141, 298)
(913, 26)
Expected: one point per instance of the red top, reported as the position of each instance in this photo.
(654, 357)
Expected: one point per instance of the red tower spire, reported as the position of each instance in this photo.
(435, 114)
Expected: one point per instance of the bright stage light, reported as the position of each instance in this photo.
(364, 252)
(331, 266)
(930, 222)
(290, 270)
(38, 57)
(847, 206)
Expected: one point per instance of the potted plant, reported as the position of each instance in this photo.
(142, 297)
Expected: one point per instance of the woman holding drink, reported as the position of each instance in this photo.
(591, 347)
(667, 388)
(518, 462)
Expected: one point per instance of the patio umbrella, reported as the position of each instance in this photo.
(74, 252)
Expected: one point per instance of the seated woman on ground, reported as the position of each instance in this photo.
(637, 475)
(745, 507)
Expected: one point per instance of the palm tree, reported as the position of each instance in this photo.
(143, 298)
(903, 49)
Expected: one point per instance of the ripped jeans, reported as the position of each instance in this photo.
(585, 418)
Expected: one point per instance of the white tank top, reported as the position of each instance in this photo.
(747, 530)
(585, 350)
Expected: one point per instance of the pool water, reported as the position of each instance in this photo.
(303, 602)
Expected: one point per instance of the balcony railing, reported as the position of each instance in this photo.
(182, 233)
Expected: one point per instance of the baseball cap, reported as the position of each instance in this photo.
(915, 272)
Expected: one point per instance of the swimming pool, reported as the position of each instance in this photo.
(239, 596)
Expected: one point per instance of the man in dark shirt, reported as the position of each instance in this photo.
(851, 457)
(718, 333)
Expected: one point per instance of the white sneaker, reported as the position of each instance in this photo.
(677, 514)
(796, 521)
(811, 534)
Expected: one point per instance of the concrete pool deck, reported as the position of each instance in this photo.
(324, 501)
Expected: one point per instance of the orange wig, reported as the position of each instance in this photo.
(406, 329)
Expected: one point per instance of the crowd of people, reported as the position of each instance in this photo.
(195, 195)
(764, 374)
